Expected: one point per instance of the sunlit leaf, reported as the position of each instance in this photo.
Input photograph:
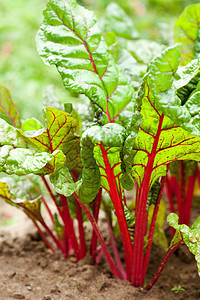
(69, 38)
(187, 32)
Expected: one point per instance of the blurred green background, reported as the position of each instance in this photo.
(22, 70)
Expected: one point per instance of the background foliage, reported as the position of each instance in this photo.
(23, 71)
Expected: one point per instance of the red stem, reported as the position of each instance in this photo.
(119, 210)
(152, 227)
(169, 195)
(162, 265)
(81, 231)
(189, 199)
(99, 249)
(141, 217)
(182, 188)
(52, 195)
(100, 237)
(69, 228)
(56, 241)
(93, 243)
(48, 209)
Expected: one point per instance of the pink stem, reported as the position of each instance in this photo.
(116, 253)
(48, 209)
(169, 195)
(189, 199)
(52, 195)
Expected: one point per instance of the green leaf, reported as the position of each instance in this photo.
(111, 136)
(117, 21)
(160, 140)
(9, 192)
(22, 161)
(144, 50)
(7, 107)
(70, 39)
(63, 182)
(23, 187)
(31, 124)
(58, 134)
(50, 99)
(187, 32)
(4, 192)
(16, 158)
(191, 236)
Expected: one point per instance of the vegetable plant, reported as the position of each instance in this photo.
(131, 133)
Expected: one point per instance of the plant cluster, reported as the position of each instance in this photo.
(139, 129)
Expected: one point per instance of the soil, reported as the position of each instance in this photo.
(30, 271)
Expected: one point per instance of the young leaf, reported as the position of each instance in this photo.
(70, 39)
(117, 21)
(160, 140)
(64, 183)
(187, 32)
(191, 236)
(7, 107)
(31, 124)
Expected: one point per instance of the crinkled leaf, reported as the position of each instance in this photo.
(12, 136)
(70, 39)
(23, 187)
(187, 32)
(22, 161)
(160, 140)
(63, 182)
(111, 137)
(186, 74)
(117, 21)
(191, 236)
(144, 50)
(8, 108)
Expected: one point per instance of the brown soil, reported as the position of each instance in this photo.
(30, 271)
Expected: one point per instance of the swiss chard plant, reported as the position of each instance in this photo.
(138, 130)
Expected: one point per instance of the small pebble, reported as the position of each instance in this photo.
(18, 296)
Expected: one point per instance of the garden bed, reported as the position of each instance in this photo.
(30, 271)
